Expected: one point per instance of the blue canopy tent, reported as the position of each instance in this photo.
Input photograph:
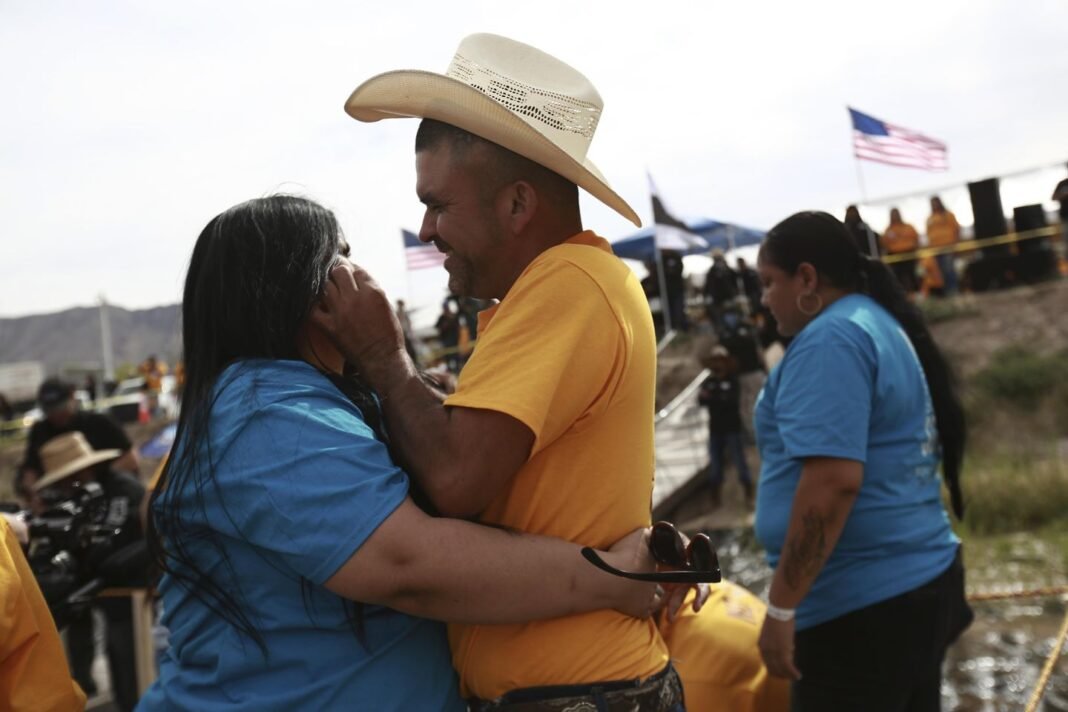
(640, 245)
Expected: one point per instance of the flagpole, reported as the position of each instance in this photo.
(860, 181)
(665, 311)
(873, 246)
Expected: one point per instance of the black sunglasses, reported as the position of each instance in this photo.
(695, 563)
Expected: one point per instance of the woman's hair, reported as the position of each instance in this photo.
(255, 274)
(822, 241)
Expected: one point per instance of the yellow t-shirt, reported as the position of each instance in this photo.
(569, 352)
(33, 668)
(715, 652)
(942, 229)
(900, 238)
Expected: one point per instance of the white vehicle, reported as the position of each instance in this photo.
(20, 380)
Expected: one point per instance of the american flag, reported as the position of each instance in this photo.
(419, 255)
(875, 140)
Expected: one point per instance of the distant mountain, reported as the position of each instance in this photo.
(72, 337)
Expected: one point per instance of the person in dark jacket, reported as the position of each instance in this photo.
(721, 394)
(866, 239)
(721, 288)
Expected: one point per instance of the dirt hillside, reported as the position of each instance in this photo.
(972, 327)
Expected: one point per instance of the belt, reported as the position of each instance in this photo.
(660, 693)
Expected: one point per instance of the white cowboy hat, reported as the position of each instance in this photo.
(67, 454)
(506, 92)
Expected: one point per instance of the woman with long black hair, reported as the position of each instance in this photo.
(868, 588)
(298, 573)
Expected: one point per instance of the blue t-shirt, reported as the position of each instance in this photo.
(299, 483)
(850, 386)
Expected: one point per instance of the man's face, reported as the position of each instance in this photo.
(61, 414)
(460, 218)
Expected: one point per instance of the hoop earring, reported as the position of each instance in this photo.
(807, 312)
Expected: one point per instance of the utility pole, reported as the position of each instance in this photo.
(105, 340)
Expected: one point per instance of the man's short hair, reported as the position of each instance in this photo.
(54, 393)
(506, 165)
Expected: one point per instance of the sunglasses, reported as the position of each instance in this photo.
(694, 563)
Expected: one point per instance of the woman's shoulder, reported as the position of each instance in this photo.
(842, 320)
(848, 324)
(258, 387)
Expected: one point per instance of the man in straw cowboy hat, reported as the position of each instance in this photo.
(69, 461)
(550, 428)
(62, 415)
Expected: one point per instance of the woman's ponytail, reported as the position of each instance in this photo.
(878, 282)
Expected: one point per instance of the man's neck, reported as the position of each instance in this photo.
(533, 244)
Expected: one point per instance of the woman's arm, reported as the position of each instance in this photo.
(462, 572)
(825, 495)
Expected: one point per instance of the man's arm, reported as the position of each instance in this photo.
(104, 433)
(462, 458)
(31, 460)
(127, 462)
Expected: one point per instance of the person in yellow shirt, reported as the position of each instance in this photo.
(899, 238)
(717, 656)
(550, 429)
(943, 230)
(153, 370)
(931, 282)
(33, 669)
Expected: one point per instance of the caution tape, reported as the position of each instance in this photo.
(1022, 593)
(15, 426)
(970, 245)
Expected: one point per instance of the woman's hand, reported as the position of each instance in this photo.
(633, 598)
(777, 648)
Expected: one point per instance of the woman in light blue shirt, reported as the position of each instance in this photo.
(852, 424)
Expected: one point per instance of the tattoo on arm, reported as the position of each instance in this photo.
(805, 555)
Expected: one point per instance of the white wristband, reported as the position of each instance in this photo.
(781, 614)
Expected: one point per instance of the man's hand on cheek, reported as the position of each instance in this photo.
(357, 315)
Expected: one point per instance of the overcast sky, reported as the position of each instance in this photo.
(126, 126)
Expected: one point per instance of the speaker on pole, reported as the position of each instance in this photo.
(993, 269)
(988, 213)
(1035, 260)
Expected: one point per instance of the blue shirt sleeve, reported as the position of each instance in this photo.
(825, 397)
(306, 480)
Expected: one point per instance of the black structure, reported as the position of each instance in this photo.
(1035, 260)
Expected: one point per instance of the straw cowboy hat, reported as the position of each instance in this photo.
(68, 454)
(506, 92)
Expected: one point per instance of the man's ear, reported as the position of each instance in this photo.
(518, 205)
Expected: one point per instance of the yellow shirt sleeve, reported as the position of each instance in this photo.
(154, 480)
(549, 356)
(33, 669)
